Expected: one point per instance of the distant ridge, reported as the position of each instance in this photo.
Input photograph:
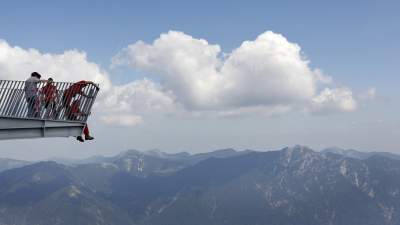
(351, 153)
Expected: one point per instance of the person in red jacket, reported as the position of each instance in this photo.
(74, 90)
(76, 114)
(49, 95)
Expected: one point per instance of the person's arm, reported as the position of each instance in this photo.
(94, 84)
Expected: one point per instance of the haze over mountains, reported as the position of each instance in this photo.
(294, 185)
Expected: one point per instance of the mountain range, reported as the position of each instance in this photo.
(294, 185)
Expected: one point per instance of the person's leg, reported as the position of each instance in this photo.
(47, 109)
(86, 133)
(38, 107)
(27, 106)
(63, 105)
(53, 109)
(30, 101)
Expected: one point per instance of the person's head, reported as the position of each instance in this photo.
(50, 80)
(36, 74)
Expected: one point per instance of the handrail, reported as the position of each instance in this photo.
(58, 101)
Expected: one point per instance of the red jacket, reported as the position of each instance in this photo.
(50, 92)
(74, 90)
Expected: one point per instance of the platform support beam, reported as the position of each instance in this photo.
(17, 128)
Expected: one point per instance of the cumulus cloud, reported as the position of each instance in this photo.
(17, 64)
(268, 75)
(269, 72)
(138, 97)
(334, 100)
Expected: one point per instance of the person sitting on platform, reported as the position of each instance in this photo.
(77, 114)
(74, 90)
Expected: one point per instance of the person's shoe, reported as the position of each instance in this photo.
(80, 138)
(88, 138)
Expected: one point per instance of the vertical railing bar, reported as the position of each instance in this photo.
(63, 106)
(60, 101)
(4, 100)
(88, 102)
(16, 101)
(2, 92)
(11, 98)
(4, 97)
(69, 100)
(92, 94)
(21, 100)
(24, 111)
(83, 102)
(40, 98)
(22, 106)
(30, 105)
(3, 83)
(78, 98)
(58, 105)
(96, 91)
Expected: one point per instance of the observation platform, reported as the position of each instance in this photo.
(30, 110)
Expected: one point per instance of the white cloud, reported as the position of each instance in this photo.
(140, 96)
(334, 100)
(185, 65)
(121, 120)
(17, 64)
(267, 76)
(269, 72)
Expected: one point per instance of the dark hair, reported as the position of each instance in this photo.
(36, 74)
(50, 79)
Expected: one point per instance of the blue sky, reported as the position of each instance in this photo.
(341, 37)
(355, 42)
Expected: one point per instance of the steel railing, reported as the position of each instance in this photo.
(59, 102)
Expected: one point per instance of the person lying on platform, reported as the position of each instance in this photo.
(77, 114)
